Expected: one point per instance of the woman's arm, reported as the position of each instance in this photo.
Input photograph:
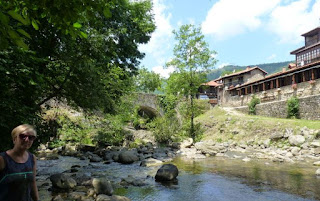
(34, 190)
(2, 163)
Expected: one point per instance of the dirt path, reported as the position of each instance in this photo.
(232, 111)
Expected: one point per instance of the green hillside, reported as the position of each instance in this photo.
(269, 67)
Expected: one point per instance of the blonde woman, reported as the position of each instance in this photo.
(18, 167)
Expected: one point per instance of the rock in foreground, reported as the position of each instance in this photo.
(167, 172)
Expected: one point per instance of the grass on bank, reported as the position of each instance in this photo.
(222, 126)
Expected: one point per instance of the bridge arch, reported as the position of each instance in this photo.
(148, 105)
(148, 111)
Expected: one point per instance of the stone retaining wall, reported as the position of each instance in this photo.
(309, 108)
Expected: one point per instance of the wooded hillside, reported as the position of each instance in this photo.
(269, 67)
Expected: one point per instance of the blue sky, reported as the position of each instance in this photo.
(242, 32)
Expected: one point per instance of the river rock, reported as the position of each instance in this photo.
(209, 147)
(317, 150)
(318, 172)
(305, 145)
(266, 143)
(246, 159)
(187, 143)
(102, 186)
(111, 198)
(288, 132)
(315, 144)
(77, 195)
(167, 172)
(86, 148)
(276, 136)
(150, 162)
(62, 181)
(128, 157)
(317, 163)
(57, 198)
(95, 159)
(295, 140)
(132, 181)
(305, 131)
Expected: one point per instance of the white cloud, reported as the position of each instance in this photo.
(159, 43)
(271, 57)
(228, 18)
(289, 21)
(163, 72)
(223, 65)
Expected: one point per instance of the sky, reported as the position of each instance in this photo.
(242, 32)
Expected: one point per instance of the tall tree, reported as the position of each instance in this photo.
(85, 52)
(192, 60)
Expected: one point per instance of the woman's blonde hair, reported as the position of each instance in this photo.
(22, 128)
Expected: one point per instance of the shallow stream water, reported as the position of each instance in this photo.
(213, 178)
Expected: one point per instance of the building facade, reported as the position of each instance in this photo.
(301, 79)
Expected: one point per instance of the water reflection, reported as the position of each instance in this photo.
(294, 178)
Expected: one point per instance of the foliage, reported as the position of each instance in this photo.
(111, 132)
(252, 105)
(169, 103)
(17, 17)
(200, 107)
(85, 56)
(73, 127)
(192, 60)
(175, 124)
(164, 128)
(147, 81)
(293, 107)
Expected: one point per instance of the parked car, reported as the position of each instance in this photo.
(203, 97)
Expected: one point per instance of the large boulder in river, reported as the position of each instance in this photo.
(128, 157)
(102, 186)
(295, 140)
(62, 181)
(167, 172)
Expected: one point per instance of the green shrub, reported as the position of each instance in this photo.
(164, 128)
(252, 105)
(168, 103)
(293, 107)
(185, 131)
(110, 132)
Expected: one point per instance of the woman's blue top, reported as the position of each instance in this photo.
(16, 179)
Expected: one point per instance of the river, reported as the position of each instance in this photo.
(213, 178)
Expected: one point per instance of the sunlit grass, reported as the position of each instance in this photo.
(221, 125)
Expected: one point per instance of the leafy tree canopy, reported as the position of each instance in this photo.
(84, 52)
(147, 81)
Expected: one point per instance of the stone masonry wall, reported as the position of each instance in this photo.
(309, 108)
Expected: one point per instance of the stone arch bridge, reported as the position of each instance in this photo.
(148, 105)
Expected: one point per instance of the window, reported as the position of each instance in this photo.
(240, 80)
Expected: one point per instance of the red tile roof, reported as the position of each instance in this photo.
(212, 83)
(248, 69)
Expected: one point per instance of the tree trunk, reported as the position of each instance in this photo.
(192, 134)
